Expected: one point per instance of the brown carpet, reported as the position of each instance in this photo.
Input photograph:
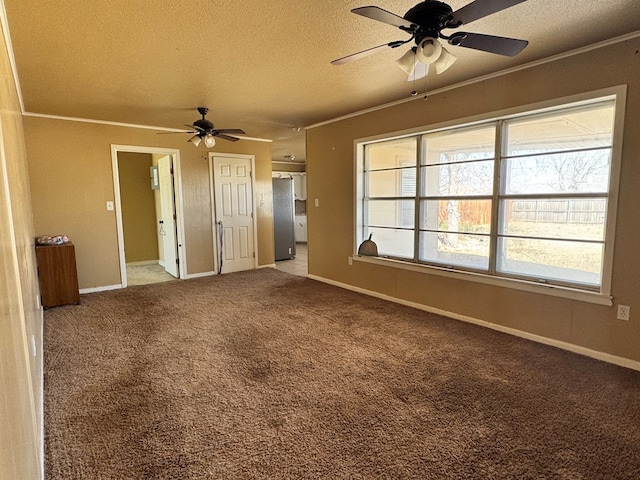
(266, 375)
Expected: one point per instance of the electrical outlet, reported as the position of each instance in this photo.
(350, 260)
(624, 312)
(317, 203)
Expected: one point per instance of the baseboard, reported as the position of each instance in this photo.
(100, 289)
(199, 275)
(587, 352)
(268, 265)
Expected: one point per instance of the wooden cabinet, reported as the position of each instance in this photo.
(57, 274)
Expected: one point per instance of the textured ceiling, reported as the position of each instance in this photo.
(260, 66)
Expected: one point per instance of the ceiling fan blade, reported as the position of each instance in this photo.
(172, 133)
(479, 9)
(489, 43)
(195, 126)
(236, 131)
(381, 15)
(225, 137)
(359, 55)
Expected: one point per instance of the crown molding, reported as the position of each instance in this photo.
(553, 58)
(127, 125)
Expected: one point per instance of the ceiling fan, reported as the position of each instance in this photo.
(425, 22)
(205, 130)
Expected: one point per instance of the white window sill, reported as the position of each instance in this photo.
(543, 289)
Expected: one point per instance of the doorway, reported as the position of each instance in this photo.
(231, 179)
(148, 214)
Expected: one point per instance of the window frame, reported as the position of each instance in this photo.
(601, 295)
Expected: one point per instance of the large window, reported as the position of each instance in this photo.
(525, 197)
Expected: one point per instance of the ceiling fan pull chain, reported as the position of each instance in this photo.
(425, 87)
(414, 92)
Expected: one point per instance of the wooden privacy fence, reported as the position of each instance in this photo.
(559, 211)
(578, 211)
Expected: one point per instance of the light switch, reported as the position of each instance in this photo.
(110, 206)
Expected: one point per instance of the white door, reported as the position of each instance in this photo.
(167, 221)
(233, 194)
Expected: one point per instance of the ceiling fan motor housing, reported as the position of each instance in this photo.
(430, 16)
(203, 124)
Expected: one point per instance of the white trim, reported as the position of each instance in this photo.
(101, 122)
(560, 56)
(605, 357)
(127, 125)
(177, 181)
(268, 265)
(214, 225)
(486, 279)
(199, 275)
(104, 288)
(614, 187)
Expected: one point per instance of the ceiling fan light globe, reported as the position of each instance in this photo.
(407, 62)
(195, 140)
(429, 50)
(421, 71)
(209, 141)
(445, 61)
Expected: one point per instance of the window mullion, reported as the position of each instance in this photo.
(498, 152)
(417, 212)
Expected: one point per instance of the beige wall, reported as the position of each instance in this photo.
(138, 207)
(71, 180)
(20, 315)
(330, 167)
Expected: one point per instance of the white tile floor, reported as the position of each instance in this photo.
(145, 274)
(298, 265)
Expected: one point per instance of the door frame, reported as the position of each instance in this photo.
(177, 188)
(214, 230)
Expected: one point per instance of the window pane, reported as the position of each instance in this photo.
(546, 175)
(392, 242)
(585, 127)
(573, 172)
(572, 262)
(571, 218)
(391, 213)
(451, 249)
(475, 178)
(456, 215)
(460, 145)
(391, 183)
(394, 153)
